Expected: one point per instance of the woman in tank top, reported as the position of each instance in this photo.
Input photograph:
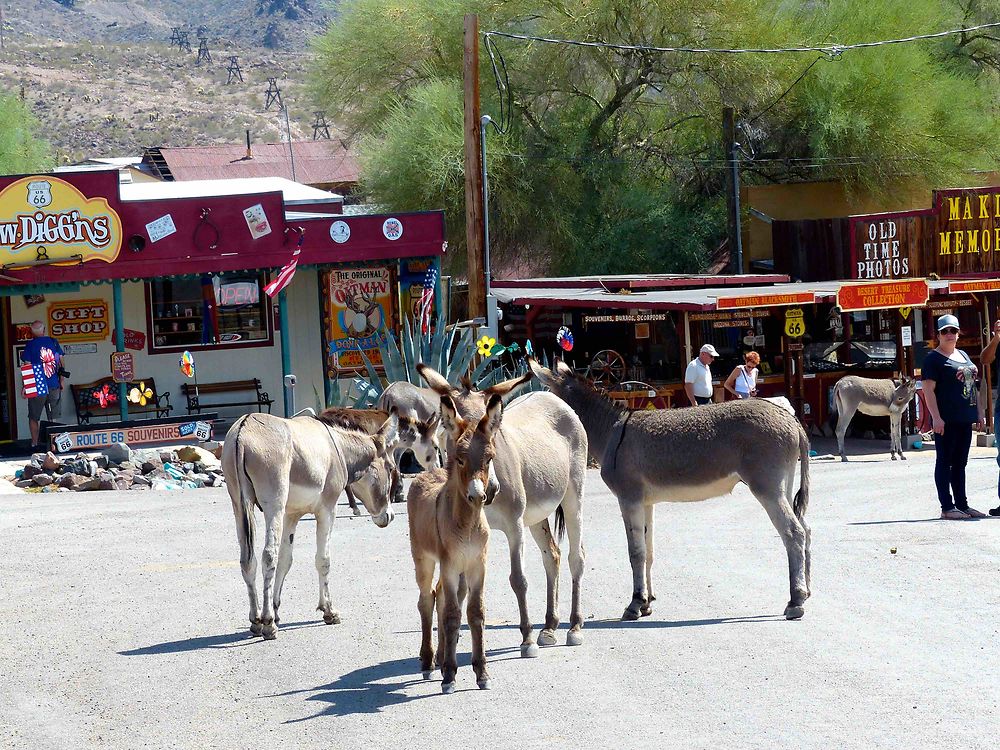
(742, 381)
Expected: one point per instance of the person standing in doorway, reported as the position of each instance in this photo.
(950, 385)
(987, 358)
(698, 376)
(45, 353)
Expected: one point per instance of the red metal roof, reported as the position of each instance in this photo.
(316, 162)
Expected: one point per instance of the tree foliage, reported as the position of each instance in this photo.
(21, 150)
(612, 159)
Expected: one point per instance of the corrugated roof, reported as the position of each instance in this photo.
(316, 162)
(293, 192)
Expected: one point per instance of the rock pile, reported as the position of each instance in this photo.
(118, 467)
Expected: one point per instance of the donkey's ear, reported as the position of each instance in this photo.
(542, 373)
(563, 369)
(434, 379)
(433, 423)
(387, 432)
(453, 424)
(490, 422)
(466, 382)
(502, 389)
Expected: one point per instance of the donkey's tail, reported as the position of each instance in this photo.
(802, 496)
(560, 524)
(244, 487)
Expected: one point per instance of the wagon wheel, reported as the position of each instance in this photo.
(606, 368)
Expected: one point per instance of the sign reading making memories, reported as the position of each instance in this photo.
(44, 217)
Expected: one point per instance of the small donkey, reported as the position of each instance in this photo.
(876, 398)
(448, 526)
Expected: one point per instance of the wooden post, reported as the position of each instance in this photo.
(473, 171)
(732, 189)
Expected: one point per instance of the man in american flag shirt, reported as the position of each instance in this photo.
(45, 356)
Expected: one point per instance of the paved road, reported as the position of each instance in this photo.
(124, 619)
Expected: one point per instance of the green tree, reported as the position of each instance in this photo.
(612, 158)
(21, 150)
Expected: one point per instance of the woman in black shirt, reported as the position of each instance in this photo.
(950, 390)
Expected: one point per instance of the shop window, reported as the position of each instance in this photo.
(228, 309)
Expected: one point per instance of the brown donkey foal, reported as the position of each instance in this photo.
(448, 527)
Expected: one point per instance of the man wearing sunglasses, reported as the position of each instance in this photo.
(989, 354)
(950, 385)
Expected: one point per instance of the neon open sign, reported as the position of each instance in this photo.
(239, 293)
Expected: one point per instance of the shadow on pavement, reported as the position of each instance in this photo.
(224, 640)
(649, 622)
(377, 687)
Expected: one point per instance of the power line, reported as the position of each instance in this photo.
(831, 51)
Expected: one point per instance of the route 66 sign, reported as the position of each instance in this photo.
(39, 193)
(795, 325)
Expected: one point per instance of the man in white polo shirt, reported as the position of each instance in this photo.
(698, 377)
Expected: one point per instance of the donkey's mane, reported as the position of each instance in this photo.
(591, 392)
(345, 421)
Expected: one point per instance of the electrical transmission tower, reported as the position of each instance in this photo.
(320, 126)
(234, 69)
(183, 43)
(273, 94)
(203, 54)
(175, 36)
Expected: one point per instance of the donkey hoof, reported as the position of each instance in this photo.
(529, 650)
(255, 627)
(902, 457)
(794, 612)
(331, 618)
(547, 638)
(447, 688)
(357, 511)
(646, 610)
(893, 456)
(574, 638)
(426, 674)
(485, 684)
(630, 614)
(270, 632)
(843, 459)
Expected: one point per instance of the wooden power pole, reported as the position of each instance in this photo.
(732, 188)
(473, 171)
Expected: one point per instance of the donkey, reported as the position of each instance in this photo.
(876, 398)
(420, 437)
(411, 400)
(448, 527)
(290, 467)
(541, 465)
(685, 455)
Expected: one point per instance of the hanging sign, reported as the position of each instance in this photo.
(79, 320)
(133, 339)
(879, 296)
(990, 285)
(122, 367)
(765, 300)
(43, 217)
(795, 325)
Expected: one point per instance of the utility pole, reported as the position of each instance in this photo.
(730, 149)
(273, 94)
(320, 126)
(473, 170)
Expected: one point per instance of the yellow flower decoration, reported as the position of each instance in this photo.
(486, 344)
(141, 394)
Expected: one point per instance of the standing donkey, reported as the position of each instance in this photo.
(290, 467)
(541, 465)
(448, 527)
(876, 398)
(684, 455)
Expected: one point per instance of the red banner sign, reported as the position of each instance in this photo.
(908, 293)
(992, 285)
(133, 339)
(765, 300)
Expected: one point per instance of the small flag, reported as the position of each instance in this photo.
(284, 277)
(427, 299)
(33, 377)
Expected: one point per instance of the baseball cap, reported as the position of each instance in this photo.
(947, 321)
(709, 349)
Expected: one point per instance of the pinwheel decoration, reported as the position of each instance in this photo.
(141, 394)
(564, 337)
(187, 365)
(485, 346)
(529, 349)
(105, 396)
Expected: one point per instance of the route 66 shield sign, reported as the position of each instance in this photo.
(39, 193)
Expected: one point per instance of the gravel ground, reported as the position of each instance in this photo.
(125, 627)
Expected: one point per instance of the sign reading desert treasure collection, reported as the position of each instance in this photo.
(45, 218)
(908, 293)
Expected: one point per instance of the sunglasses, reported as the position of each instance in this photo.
(949, 331)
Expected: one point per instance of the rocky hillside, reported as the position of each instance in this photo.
(103, 80)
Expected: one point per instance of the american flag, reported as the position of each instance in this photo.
(284, 277)
(427, 299)
(33, 377)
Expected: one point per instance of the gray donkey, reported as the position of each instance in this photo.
(683, 455)
(876, 398)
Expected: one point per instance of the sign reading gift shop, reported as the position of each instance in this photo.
(79, 320)
(357, 303)
(959, 235)
(907, 293)
(46, 218)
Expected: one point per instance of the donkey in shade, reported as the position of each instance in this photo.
(541, 466)
(686, 455)
(448, 527)
(877, 397)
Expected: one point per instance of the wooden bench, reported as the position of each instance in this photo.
(88, 405)
(255, 396)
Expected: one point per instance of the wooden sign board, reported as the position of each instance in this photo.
(122, 367)
(986, 285)
(881, 296)
(153, 434)
(765, 300)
